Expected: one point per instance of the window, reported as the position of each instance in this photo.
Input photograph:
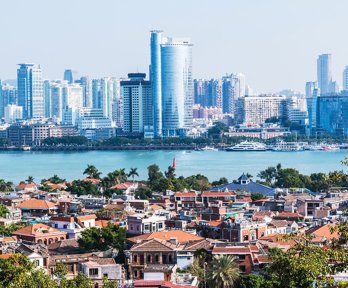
(148, 258)
(160, 225)
(136, 273)
(246, 238)
(241, 257)
(105, 275)
(157, 259)
(36, 263)
(93, 272)
(135, 258)
(170, 258)
(242, 269)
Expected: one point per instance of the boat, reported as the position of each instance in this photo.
(283, 146)
(247, 146)
(25, 148)
(331, 148)
(208, 148)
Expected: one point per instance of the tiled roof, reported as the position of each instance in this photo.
(93, 180)
(102, 223)
(323, 232)
(231, 250)
(124, 185)
(215, 223)
(38, 229)
(181, 236)
(156, 207)
(278, 223)
(259, 215)
(154, 245)
(26, 186)
(195, 245)
(289, 215)
(36, 204)
(185, 194)
(86, 217)
(217, 194)
(250, 187)
(6, 256)
(157, 284)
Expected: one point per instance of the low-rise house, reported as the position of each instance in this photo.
(39, 208)
(37, 254)
(28, 187)
(264, 215)
(308, 207)
(213, 196)
(322, 235)
(142, 223)
(98, 268)
(91, 202)
(39, 233)
(281, 227)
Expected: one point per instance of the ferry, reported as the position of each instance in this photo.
(247, 146)
(25, 148)
(283, 146)
(209, 148)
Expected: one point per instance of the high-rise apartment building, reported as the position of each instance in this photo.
(12, 113)
(47, 97)
(345, 79)
(68, 76)
(30, 90)
(310, 87)
(324, 73)
(86, 84)
(233, 87)
(172, 85)
(137, 103)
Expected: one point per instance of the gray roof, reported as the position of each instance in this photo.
(251, 187)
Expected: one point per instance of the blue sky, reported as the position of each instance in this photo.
(275, 43)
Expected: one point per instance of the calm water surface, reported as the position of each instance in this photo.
(17, 165)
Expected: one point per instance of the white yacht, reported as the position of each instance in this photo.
(209, 148)
(248, 146)
(283, 146)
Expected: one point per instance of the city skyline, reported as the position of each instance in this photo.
(242, 39)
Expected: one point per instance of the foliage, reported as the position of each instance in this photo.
(113, 178)
(109, 283)
(80, 281)
(92, 172)
(8, 229)
(217, 130)
(5, 186)
(224, 271)
(30, 180)
(257, 196)
(198, 182)
(101, 239)
(65, 141)
(81, 187)
(143, 193)
(133, 172)
(3, 211)
(251, 281)
(55, 179)
(220, 182)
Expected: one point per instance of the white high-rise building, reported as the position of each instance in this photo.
(324, 73)
(345, 78)
(310, 87)
(13, 112)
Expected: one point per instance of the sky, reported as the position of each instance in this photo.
(275, 43)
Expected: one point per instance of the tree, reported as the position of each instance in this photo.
(289, 178)
(269, 175)
(132, 173)
(154, 173)
(224, 272)
(143, 193)
(221, 181)
(30, 180)
(170, 173)
(217, 131)
(3, 211)
(108, 283)
(198, 182)
(251, 281)
(55, 179)
(80, 281)
(80, 187)
(92, 172)
(91, 239)
(5, 186)
(257, 196)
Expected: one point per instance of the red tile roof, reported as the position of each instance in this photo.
(217, 194)
(38, 229)
(93, 180)
(324, 232)
(215, 223)
(181, 236)
(231, 250)
(36, 204)
(26, 186)
(185, 194)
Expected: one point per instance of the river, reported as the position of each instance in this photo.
(18, 165)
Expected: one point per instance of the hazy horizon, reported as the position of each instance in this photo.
(274, 43)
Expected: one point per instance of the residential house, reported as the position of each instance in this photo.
(142, 223)
(38, 208)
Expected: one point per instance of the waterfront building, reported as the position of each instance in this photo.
(177, 86)
(13, 113)
(256, 109)
(91, 118)
(345, 78)
(156, 83)
(296, 108)
(106, 96)
(324, 73)
(30, 90)
(233, 87)
(8, 96)
(47, 98)
(95, 93)
(72, 96)
(137, 103)
(86, 84)
(215, 93)
(332, 113)
(68, 76)
(310, 87)
(172, 85)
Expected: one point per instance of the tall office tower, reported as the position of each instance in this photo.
(137, 103)
(47, 97)
(156, 83)
(106, 95)
(240, 85)
(310, 87)
(177, 87)
(248, 91)
(95, 94)
(117, 104)
(86, 84)
(345, 79)
(324, 73)
(68, 76)
(233, 87)
(215, 93)
(30, 90)
(57, 95)
(72, 96)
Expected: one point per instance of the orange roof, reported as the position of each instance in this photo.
(185, 194)
(102, 223)
(156, 207)
(289, 215)
(93, 180)
(323, 231)
(86, 217)
(124, 185)
(38, 229)
(36, 204)
(232, 250)
(181, 236)
(217, 194)
(26, 185)
(6, 256)
(215, 223)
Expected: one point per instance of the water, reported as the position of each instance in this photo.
(18, 165)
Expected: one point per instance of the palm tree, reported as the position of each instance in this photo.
(92, 172)
(30, 180)
(122, 175)
(5, 186)
(224, 272)
(132, 173)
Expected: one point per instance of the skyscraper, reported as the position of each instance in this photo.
(86, 84)
(310, 86)
(345, 79)
(137, 103)
(324, 73)
(177, 87)
(68, 76)
(30, 90)
(47, 96)
(155, 77)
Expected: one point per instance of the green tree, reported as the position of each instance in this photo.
(80, 187)
(218, 130)
(132, 173)
(170, 173)
(257, 196)
(92, 172)
(5, 186)
(220, 182)
(108, 283)
(251, 281)
(55, 179)
(91, 239)
(198, 182)
(143, 193)
(154, 173)
(80, 281)
(30, 180)
(224, 272)
(268, 175)
(3, 211)
(289, 178)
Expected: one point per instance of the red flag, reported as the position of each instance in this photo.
(174, 163)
